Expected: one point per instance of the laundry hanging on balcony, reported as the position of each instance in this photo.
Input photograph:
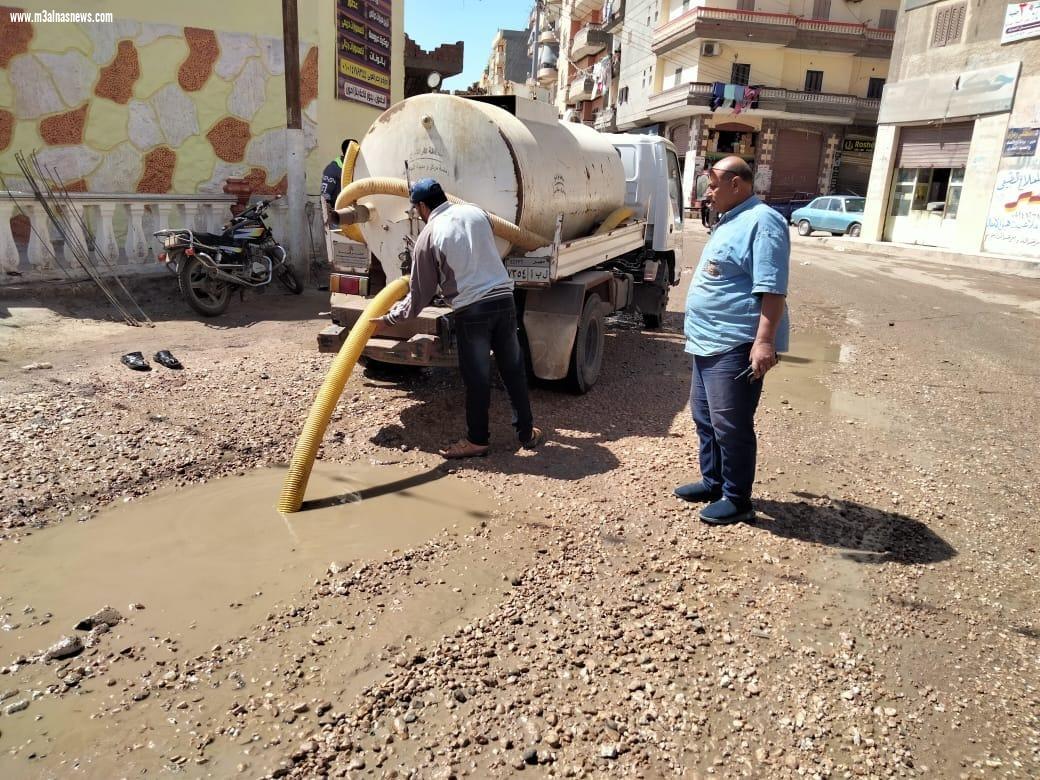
(739, 97)
(601, 77)
(750, 100)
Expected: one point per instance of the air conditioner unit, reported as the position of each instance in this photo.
(711, 49)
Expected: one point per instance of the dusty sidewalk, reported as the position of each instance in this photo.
(879, 620)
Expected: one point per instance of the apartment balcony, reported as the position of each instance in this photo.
(580, 89)
(606, 120)
(615, 18)
(547, 74)
(548, 37)
(695, 98)
(784, 29)
(580, 8)
(588, 41)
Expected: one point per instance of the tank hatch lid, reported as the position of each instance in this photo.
(524, 109)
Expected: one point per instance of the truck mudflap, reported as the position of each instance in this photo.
(551, 321)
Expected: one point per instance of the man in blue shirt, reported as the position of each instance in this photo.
(736, 323)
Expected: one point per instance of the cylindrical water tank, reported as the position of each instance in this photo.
(526, 168)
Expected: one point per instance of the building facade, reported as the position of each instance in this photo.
(583, 80)
(793, 87)
(955, 163)
(509, 62)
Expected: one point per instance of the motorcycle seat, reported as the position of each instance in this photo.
(224, 243)
(212, 239)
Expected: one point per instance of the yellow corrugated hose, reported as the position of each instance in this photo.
(614, 218)
(514, 234)
(295, 484)
(353, 232)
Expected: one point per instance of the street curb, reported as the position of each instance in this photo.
(981, 261)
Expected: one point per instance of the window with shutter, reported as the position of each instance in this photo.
(745, 5)
(953, 35)
(942, 22)
(888, 19)
(740, 73)
(949, 24)
(814, 81)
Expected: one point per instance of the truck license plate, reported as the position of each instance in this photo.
(528, 270)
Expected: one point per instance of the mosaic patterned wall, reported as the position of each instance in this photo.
(151, 108)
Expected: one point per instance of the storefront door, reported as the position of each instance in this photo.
(926, 188)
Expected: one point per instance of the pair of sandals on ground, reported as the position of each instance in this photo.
(136, 361)
(464, 448)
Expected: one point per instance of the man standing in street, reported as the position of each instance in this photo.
(331, 178)
(736, 323)
(456, 252)
(702, 195)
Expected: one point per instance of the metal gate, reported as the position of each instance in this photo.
(796, 163)
(935, 146)
(857, 156)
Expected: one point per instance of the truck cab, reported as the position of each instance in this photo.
(653, 187)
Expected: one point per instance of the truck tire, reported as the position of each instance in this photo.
(587, 354)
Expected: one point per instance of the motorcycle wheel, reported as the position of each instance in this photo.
(287, 278)
(209, 297)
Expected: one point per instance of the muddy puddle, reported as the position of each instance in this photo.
(802, 382)
(209, 564)
(211, 560)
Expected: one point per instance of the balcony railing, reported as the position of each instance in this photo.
(589, 40)
(774, 28)
(580, 89)
(770, 99)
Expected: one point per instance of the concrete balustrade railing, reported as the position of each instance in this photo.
(122, 227)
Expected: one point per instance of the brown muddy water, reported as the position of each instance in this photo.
(207, 563)
(208, 558)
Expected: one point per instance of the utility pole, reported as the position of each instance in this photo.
(534, 57)
(296, 162)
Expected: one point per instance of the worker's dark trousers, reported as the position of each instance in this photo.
(482, 328)
(724, 412)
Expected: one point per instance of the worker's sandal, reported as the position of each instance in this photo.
(464, 448)
(537, 437)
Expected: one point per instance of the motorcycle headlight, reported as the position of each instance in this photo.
(170, 242)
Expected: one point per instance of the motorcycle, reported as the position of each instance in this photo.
(210, 266)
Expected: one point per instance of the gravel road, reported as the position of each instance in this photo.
(877, 620)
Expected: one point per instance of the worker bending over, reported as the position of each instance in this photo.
(456, 252)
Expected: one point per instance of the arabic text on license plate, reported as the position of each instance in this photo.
(522, 274)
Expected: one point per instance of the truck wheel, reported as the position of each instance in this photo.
(587, 355)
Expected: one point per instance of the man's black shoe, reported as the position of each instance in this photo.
(727, 512)
(698, 492)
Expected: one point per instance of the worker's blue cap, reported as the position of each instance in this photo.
(424, 189)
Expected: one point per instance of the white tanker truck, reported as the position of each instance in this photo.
(599, 218)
